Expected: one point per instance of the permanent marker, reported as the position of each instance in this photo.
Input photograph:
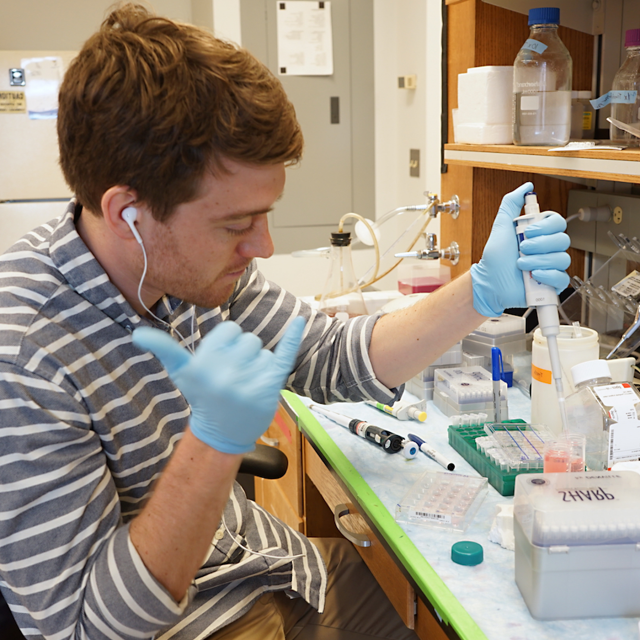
(496, 376)
(431, 452)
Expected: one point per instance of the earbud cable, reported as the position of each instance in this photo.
(166, 324)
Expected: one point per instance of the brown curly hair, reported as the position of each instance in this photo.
(152, 104)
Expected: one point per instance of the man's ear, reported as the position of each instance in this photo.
(115, 201)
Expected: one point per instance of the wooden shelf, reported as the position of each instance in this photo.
(605, 164)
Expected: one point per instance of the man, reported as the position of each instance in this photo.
(120, 517)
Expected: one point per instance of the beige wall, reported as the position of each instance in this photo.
(65, 24)
(407, 41)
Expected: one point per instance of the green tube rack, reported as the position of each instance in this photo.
(463, 439)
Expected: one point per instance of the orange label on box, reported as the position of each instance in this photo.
(541, 375)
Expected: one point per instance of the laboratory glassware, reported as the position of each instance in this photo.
(542, 84)
(342, 296)
(625, 102)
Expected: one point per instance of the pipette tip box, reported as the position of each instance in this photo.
(460, 390)
(577, 544)
(442, 500)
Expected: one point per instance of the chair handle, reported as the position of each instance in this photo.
(272, 442)
(359, 539)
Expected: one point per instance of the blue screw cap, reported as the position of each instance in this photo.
(545, 15)
(467, 553)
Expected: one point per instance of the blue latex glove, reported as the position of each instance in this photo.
(232, 383)
(497, 278)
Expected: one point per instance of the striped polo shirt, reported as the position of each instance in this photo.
(88, 422)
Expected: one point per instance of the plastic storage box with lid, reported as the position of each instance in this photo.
(421, 385)
(577, 544)
(506, 332)
(467, 390)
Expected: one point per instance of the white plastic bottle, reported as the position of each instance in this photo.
(542, 84)
(625, 104)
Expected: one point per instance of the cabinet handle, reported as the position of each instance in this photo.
(272, 442)
(359, 539)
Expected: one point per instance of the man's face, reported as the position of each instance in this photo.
(203, 249)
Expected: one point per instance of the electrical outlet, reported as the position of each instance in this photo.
(592, 236)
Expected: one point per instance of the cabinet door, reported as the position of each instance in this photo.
(380, 563)
(336, 174)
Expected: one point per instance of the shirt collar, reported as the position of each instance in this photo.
(85, 275)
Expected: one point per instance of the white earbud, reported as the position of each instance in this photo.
(129, 215)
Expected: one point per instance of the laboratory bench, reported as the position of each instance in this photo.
(361, 484)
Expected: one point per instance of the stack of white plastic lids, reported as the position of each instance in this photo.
(590, 370)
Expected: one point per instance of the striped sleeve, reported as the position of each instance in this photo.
(333, 364)
(67, 565)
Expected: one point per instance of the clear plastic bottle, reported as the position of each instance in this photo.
(628, 79)
(342, 296)
(596, 405)
(542, 84)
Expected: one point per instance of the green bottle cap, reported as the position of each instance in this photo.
(467, 553)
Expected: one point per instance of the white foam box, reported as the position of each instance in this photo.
(479, 133)
(485, 96)
(577, 544)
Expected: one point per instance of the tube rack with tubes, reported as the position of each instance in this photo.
(514, 446)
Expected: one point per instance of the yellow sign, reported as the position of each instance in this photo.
(12, 102)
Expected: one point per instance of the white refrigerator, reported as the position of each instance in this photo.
(32, 189)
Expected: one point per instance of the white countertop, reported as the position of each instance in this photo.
(487, 591)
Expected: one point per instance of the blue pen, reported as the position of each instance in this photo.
(496, 376)
(431, 452)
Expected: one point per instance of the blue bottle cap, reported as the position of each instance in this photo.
(545, 15)
(467, 553)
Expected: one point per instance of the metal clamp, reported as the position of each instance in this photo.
(452, 207)
(359, 539)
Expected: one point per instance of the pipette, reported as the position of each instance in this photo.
(545, 299)
(388, 441)
(401, 411)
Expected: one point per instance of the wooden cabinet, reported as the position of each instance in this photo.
(394, 584)
(284, 497)
(310, 499)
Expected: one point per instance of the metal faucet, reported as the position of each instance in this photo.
(451, 253)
